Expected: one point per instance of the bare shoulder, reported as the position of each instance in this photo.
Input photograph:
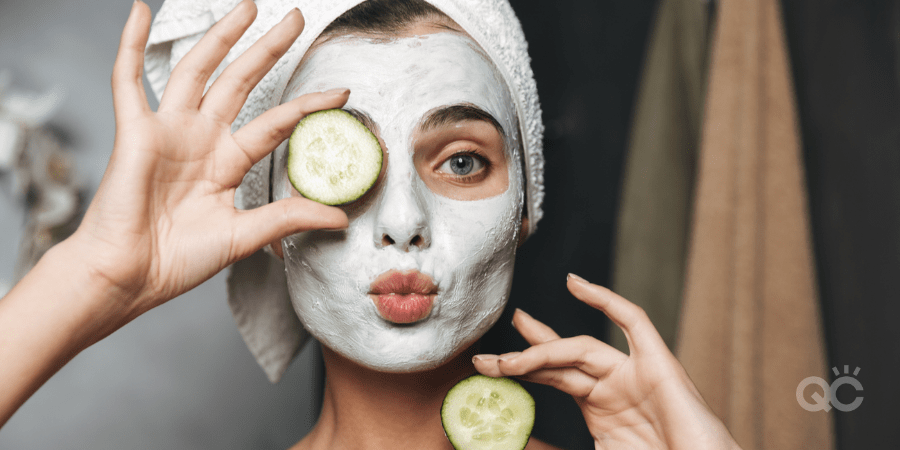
(537, 444)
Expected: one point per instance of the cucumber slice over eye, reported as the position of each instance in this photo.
(333, 158)
(484, 413)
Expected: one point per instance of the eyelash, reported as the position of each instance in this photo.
(475, 154)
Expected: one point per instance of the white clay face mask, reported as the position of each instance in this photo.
(447, 262)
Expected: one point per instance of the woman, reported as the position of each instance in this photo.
(452, 193)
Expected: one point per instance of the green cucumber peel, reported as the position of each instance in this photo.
(333, 158)
(484, 413)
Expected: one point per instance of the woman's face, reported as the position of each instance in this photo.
(425, 267)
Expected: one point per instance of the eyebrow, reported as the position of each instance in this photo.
(364, 118)
(441, 117)
(452, 114)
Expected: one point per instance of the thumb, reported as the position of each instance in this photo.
(257, 227)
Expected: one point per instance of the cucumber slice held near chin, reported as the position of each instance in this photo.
(484, 413)
(333, 158)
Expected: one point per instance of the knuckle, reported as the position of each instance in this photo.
(585, 346)
(310, 103)
(289, 218)
(275, 134)
(198, 76)
(194, 75)
(634, 316)
(219, 40)
(543, 359)
(583, 340)
(237, 86)
(271, 51)
(555, 377)
(305, 107)
(243, 85)
(639, 315)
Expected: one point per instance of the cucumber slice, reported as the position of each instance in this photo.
(332, 157)
(484, 413)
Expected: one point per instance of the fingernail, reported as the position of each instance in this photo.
(477, 358)
(518, 311)
(337, 91)
(286, 16)
(510, 356)
(576, 278)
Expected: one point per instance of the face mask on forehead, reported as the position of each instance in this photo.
(257, 286)
(461, 250)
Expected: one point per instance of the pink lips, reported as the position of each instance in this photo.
(403, 297)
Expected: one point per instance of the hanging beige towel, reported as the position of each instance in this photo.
(750, 328)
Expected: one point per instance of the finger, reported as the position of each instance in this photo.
(188, 80)
(228, 93)
(487, 365)
(639, 331)
(257, 227)
(129, 98)
(534, 331)
(584, 352)
(570, 380)
(259, 137)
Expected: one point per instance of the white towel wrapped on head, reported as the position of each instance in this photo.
(257, 287)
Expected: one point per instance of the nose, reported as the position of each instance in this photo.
(401, 220)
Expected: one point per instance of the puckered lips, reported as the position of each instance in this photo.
(403, 297)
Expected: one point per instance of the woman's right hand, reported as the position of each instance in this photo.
(163, 219)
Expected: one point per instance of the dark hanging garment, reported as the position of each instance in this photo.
(658, 175)
(846, 63)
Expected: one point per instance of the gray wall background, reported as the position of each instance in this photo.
(178, 377)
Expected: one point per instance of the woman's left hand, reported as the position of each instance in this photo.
(641, 400)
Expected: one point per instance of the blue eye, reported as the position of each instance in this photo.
(462, 164)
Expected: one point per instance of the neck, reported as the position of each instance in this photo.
(367, 409)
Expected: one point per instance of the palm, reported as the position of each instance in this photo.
(189, 209)
(630, 401)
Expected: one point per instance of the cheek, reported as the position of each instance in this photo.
(325, 257)
(476, 239)
(486, 225)
(325, 291)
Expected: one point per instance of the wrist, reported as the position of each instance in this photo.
(95, 304)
